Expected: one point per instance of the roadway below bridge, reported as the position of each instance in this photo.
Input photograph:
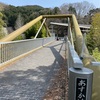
(35, 76)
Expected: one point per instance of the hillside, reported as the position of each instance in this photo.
(2, 6)
(27, 13)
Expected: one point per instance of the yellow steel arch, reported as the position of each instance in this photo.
(79, 38)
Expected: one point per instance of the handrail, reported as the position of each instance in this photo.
(78, 36)
(70, 32)
(73, 58)
(87, 60)
(12, 49)
(74, 27)
(58, 16)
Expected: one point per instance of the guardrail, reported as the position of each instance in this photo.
(9, 50)
(73, 59)
(78, 40)
(80, 78)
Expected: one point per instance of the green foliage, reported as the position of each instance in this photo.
(96, 54)
(18, 38)
(43, 32)
(27, 12)
(15, 17)
(10, 16)
(72, 10)
(19, 22)
(1, 26)
(2, 6)
(94, 11)
(93, 38)
(90, 41)
(96, 29)
(31, 32)
(56, 10)
(1, 21)
(88, 17)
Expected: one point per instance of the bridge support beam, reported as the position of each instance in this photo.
(40, 28)
(19, 31)
(48, 31)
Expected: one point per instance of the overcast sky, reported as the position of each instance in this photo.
(47, 3)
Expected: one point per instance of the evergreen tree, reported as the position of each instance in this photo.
(19, 22)
(96, 54)
(1, 26)
(31, 32)
(72, 10)
(1, 21)
(93, 38)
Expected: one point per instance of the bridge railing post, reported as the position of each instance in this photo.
(80, 78)
(80, 84)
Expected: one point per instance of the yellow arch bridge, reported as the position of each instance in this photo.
(27, 67)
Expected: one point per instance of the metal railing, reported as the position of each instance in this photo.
(73, 59)
(80, 78)
(88, 62)
(10, 50)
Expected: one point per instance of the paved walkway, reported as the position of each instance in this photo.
(29, 78)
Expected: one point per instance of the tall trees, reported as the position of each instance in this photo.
(72, 10)
(2, 6)
(11, 13)
(1, 21)
(96, 29)
(93, 38)
(96, 54)
(87, 18)
(56, 10)
(31, 32)
(28, 13)
(1, 26)
(19, 22)
(82, 8)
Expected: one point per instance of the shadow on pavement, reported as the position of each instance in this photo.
(30, 84)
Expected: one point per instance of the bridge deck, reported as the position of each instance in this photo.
(30, 77)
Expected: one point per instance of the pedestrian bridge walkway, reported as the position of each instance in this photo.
(30, 77)
(26, 75)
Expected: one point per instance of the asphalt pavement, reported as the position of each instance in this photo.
(29, 78)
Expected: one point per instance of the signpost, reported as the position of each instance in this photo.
(80, 84)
